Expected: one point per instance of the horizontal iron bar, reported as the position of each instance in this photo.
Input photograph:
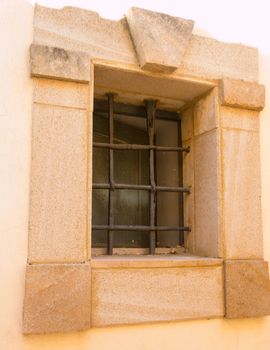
(125, 146)
(140, 187)
(133, 111)
(140, 228)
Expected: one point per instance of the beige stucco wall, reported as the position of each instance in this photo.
(15, 135)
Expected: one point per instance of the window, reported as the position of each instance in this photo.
(137, 177)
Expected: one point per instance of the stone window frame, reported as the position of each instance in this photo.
(66, 289)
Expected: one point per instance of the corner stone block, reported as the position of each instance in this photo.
(247, 288)
(57, 63)
(57, 298)
(160, 40)
(242, 94)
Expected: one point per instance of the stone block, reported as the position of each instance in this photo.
(236, 118)
(209, 58)
(160, 40)
(207, 195)
(57, 63)
(57, 298)
(242, 94)
(247, 288)
(78, 29)
(242, 191)
(187, 124)
(59, 93)
(205, 113)
(58, 202)
(130, 296)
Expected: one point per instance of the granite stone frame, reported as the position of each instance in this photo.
(76, 54)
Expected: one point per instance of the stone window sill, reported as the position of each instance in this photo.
(153, 261)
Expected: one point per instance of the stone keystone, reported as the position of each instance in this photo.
(160, 40)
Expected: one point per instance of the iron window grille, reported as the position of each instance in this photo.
(150, 113)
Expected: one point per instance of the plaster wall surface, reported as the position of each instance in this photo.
(15, 144)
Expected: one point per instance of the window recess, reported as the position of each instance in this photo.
(137, 176)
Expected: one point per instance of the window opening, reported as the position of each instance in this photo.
(124, 151)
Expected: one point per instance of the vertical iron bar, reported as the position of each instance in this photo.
(151, 111)
(181, 195)
(111, 175)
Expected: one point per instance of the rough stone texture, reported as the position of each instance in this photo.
(78, 29)
(207, 195)
(57, 298)
(132, 85)
(58, 93)
(57, 63)
(187, 124)
(210, 58)
(242, 206)
(206, 113)
(128, 296)
(152, 261)
(160, 40)
(236, 118)
(242, 94)
(58, 204)
(247, 288)
(83, 30)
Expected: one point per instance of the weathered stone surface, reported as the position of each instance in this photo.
(207, 195)
(83, 30)
(57, 63)
(160, 40)
(187, 124)
(242, 190)
(242, 94)
(77, 29)
(205, 113)
(58, 202)
(128, 296)
(247, 288)
(210, 58)
(153, 261)
(236, 118)
(57, 298)
(59, 93)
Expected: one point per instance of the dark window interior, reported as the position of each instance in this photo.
(137, 177)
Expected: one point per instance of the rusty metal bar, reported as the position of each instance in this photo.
(121, 146)
(140, 228)
(111, 176)
(151, 114)
(128, 110)
(180, 176)
(140, 187)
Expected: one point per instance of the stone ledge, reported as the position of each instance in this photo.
(150, 261)
(247, 288)
(242, 94)
(57, 298)
(57, 63)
